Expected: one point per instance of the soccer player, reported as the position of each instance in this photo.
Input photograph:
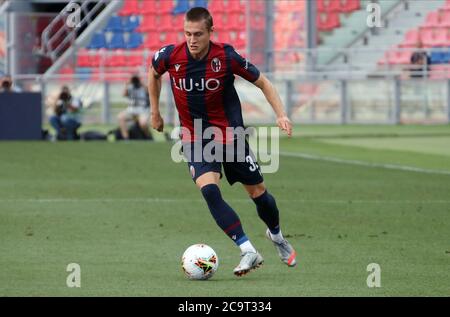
(202, 80)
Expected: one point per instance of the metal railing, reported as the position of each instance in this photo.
(59, 35)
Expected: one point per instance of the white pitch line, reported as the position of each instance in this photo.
(168, 200)
(366, 164)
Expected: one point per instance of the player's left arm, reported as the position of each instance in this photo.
(274, 100)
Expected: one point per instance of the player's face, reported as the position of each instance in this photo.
(197, 37)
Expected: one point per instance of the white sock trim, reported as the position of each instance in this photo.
(247, 247)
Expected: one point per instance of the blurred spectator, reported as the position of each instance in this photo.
(66, 118)
(138, 110)
(7, 85)
(420, 64)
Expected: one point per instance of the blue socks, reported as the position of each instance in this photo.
(268, 211)
(226, 218)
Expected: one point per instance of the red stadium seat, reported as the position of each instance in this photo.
(350, 5)
(166, 23)
(447, 5)
(236, 22)
(83, 58)
(224, 37)
(130, 7)
(412, 39)
(116, 59)
(328, 21)
(149, 7)
(135, 59)
(398, 57)
(328, 6)
(216, 7)
(166, 6)
(445, 19)
(434, 37)
(149, 23)
(152, 41)
(432, 20)
(236, 6)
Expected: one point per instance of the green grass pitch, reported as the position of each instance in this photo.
(125, 213)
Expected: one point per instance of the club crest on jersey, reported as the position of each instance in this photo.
(189, 84)
(216, 65)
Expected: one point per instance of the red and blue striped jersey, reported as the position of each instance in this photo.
(204, 89)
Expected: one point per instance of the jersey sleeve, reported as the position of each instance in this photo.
(242, 67)
(160, 60)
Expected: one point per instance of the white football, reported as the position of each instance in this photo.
(199, 262)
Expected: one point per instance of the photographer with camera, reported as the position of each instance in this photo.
(138, 110)
(7, 85)
(67, 115)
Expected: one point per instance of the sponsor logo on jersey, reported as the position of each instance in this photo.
(190, 84)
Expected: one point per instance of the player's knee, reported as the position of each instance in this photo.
(211, 193)
(256, 191)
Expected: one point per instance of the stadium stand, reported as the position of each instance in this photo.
(432, 35)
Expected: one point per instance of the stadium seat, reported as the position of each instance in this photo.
(224, 37)
(117, 41)
(235, 22)
(83, 58)
(432, 20)
(328, 21)
(152, 41)
(130, 7)
(216, 7)
(440, 72)
(166, 23)
(166, 6)
(149, 7)
(135, 40)
(149, 24)
(446, 5)
(181, 7)
(130, 23)
(440, 57)
(350, 5)
(328, 6)
(240, 42)
(412, 39)
(235, 6)
(135, 59)
(434, 38)
(445, 19)
(98, 41)
(201, 3)
(170, 38)
(114, 24)
(116, 59)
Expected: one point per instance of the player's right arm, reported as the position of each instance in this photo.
(154, 90)
(157, 69)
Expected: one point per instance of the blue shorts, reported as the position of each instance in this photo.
(238, 161)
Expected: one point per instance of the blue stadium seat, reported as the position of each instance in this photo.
(114, 25)
(131, 23)
(182, 7)
(439, 57)
(117, 42)
(83, 73)
(201, 3)
(135, 41)
(98, 41)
